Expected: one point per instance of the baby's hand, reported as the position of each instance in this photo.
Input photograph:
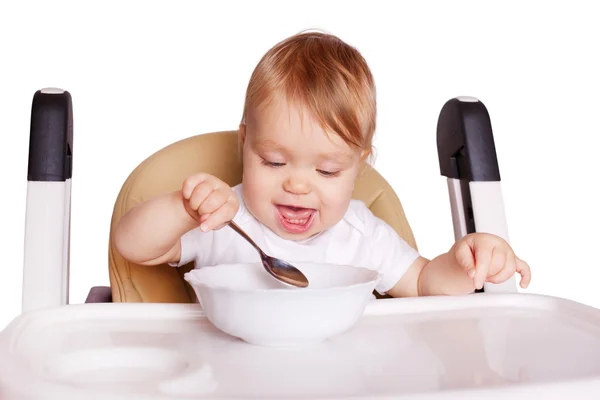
(209, 200)
(489, 258)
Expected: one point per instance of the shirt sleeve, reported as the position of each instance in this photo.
(390, 254)
(195, 246)
(201, 247)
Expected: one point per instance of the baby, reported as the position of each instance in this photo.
(307, 129)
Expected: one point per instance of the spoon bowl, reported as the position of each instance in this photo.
(279, 269)
(283, 271)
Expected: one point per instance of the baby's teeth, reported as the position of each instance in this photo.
(298, 221)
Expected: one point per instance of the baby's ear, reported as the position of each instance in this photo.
(242, 131)
(364, 155)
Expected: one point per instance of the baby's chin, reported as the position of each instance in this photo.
(280, 231)
(297, 237)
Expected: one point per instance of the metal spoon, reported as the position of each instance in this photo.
(279, 269)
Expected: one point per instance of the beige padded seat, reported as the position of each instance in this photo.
(217, 154)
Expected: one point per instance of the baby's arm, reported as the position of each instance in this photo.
(473, 260)
(436, 277)
(150, 233)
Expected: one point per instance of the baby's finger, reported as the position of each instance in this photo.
(221, 216)
(499, 259)
(506, 271)
(190, 184)
(199, 195)
(483, 259)
(523, 268)
(464, 257)
(214, 200)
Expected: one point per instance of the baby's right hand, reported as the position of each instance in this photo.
(209, 200)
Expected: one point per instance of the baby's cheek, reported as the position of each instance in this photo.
(258, 187)
(256, 177)
(335, 197)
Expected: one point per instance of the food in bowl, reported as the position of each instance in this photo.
(244, 301)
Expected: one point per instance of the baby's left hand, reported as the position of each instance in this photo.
(489, 258)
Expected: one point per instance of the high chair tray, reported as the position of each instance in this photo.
(479, 346)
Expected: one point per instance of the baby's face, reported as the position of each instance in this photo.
(297, 180)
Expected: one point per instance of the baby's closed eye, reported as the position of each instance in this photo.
(329, 173)
(272, 163)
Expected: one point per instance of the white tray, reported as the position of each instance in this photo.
(479, 346)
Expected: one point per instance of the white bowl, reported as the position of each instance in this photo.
(244, 301)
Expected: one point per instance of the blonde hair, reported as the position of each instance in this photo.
(325, 74)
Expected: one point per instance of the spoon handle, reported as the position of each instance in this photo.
(239, 230)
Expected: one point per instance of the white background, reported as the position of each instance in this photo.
(145, 74)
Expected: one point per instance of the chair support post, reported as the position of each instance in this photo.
(48, 204)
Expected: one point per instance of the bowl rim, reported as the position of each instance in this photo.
(188, 276)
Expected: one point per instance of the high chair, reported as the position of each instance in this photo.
(217, 153)
(145, 338)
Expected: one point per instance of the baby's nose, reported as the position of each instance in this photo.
(297, 185)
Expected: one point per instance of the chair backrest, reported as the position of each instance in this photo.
(215, 153)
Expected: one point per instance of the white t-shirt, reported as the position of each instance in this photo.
(359, 239)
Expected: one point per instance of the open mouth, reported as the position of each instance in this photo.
(295, 219)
